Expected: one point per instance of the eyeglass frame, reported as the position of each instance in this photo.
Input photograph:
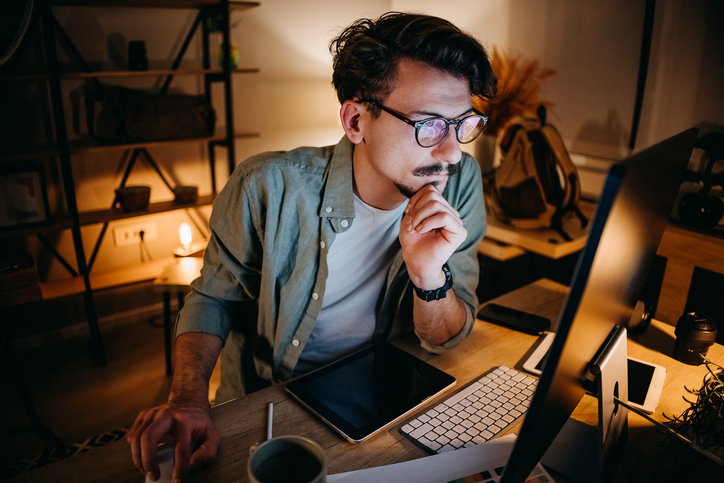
(417, 124)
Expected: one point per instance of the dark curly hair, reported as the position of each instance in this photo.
(366, 54)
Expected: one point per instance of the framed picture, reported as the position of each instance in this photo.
(23, 197)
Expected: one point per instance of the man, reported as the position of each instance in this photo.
(317, 252)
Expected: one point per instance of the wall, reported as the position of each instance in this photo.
(594, 49)
(291, 102)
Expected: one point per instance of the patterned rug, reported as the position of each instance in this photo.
(27, 464)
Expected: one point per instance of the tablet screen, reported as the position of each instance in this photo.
(366, 391)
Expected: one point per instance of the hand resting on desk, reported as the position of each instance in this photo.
(185, 416)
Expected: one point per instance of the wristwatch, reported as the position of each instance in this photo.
(440, 293)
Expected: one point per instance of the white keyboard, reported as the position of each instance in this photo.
(475, 413)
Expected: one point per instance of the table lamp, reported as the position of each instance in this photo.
(188, 248)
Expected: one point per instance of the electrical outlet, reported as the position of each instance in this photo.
(131, 234)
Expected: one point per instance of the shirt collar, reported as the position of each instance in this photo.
(338, 201)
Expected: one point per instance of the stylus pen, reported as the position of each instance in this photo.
(270, 421)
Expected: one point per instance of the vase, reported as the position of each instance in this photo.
(234, 54)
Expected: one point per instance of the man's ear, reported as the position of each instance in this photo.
(350, 114)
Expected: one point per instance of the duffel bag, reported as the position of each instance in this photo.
(121, 115)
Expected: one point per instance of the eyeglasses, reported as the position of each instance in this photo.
(430, 132)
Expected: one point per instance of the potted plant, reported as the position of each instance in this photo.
(215, 25)
(703, 421)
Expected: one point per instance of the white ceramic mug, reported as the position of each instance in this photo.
(287, 459)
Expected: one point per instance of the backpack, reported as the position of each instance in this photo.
(536, 185)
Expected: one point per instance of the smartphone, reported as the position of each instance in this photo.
(514, 319)
(645, 380)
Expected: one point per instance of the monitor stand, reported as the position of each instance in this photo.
(583, 453)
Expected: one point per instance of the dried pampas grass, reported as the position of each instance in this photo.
(518, 90)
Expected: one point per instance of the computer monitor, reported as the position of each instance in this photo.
(632, 213)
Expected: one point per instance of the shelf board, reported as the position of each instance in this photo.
(24, 77)
(548, 243)
(100, 280)
(60, 222)
(103, 216)
(90, 146)
(40, 152)
(150, 73)
(234, 4)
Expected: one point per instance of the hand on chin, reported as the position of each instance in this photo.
(430, 233)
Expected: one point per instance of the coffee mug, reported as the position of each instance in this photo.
(288, 459)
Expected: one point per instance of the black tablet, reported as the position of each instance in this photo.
(369, 390)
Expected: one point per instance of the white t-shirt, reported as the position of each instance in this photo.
(358, 262)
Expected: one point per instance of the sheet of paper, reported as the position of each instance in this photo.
(439, 468)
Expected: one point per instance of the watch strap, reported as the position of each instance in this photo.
(437, 294)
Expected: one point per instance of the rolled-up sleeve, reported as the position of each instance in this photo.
(231, 270)
(205, 314)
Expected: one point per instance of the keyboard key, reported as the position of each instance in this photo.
(519, 377)
(477, 440)
(500, 424)
(462, 394)
(421, 431)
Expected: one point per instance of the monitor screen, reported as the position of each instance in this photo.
(632, 213)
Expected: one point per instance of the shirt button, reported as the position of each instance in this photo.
(344, 223)
(323, 245)
(295, 343)
(328, 209)
(315, 296)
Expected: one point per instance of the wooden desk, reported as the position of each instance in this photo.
(242, 422)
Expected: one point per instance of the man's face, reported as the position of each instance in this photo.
(389, 152)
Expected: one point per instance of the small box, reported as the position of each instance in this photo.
(19, 281)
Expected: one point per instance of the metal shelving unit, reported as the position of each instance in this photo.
(62, 150)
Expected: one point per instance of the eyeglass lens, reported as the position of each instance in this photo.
(433, 131)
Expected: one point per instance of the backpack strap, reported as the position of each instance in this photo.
(570, 173)
(509, 136)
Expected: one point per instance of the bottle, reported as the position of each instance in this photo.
(694, 335)
(137, 59)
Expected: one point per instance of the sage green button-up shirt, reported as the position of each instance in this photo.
(271, 228)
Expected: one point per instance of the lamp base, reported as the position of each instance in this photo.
(191, 250)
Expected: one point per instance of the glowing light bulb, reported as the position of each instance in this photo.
(184, 233)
